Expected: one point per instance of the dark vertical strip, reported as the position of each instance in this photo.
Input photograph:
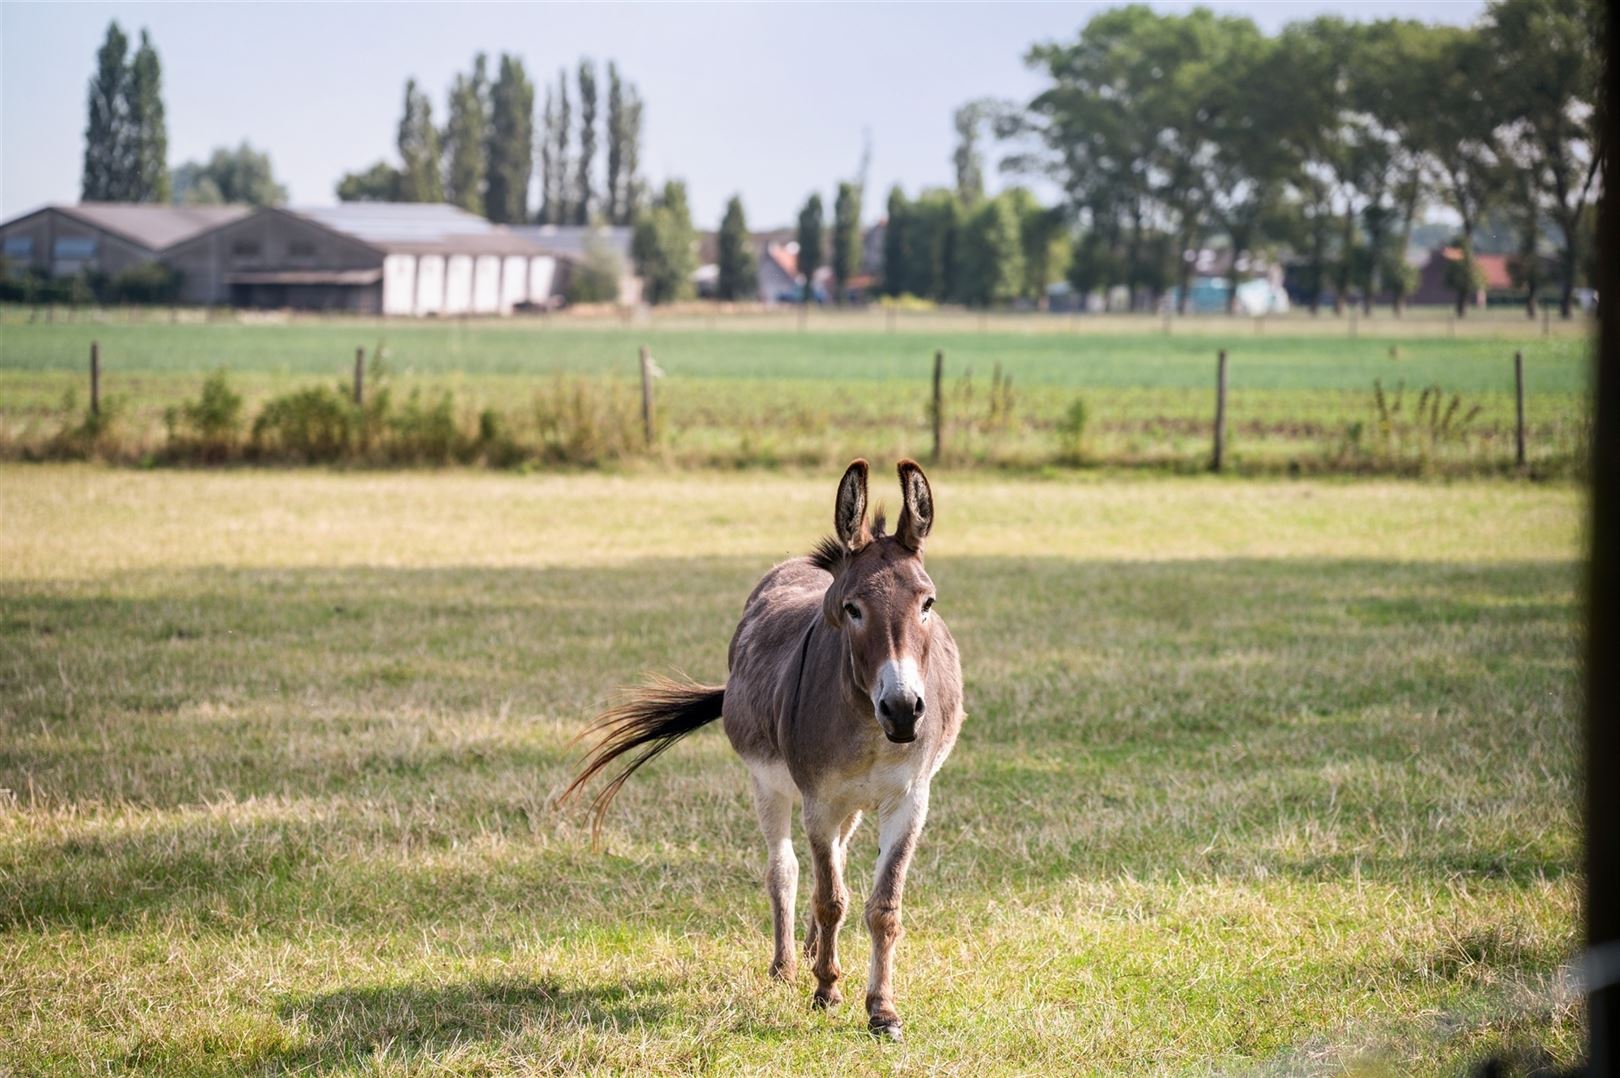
(1603, 623)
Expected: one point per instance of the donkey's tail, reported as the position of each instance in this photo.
(651, 719)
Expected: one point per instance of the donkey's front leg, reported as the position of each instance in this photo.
(900, 822)
(830, 899)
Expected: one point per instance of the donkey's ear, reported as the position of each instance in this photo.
(917, 515)
(849, 515)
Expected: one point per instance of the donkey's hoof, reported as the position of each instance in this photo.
(885, 1028)
(783, 971)
(826, 997)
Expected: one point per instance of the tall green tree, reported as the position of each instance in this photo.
(148, 129)
(810, 235)
(559, 131)
(420, 179)
(511, 144)
(1043, 246)
(664, 246)
(933, 241)
(584, 183)
(551, 195)
(466, 138)
(967, 159)
(1460, 135)
(242, 176)
(846, 238)
(896, 243)
(630, 158)
(106, 142)
(739, 273)
(615, 144)
(991, 255)
(1549, 55)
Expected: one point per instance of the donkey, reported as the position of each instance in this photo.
(845, 691)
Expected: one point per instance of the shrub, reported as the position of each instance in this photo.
(424, 433)
(318, 424)
(596, 278)
(586, 422)
(149, 282)
(85, 434)
(1072, 432)
(208, 427)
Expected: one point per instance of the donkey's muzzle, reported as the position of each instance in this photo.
(899, 711)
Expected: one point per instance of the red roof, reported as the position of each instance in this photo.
(1494, 267)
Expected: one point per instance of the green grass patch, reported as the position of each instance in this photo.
(1255, 774)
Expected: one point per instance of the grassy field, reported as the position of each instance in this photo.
(1272, 776)
(751, 391)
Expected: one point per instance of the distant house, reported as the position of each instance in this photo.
(103, 237)
(776, 260)
(779, 280)
(398, 258)
(1434, 272)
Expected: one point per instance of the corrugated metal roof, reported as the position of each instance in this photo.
(571, 241)
(153, 227)
(417, 227)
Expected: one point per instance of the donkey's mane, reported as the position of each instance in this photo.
(829, 552)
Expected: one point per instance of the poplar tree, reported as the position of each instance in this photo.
(558, 137)
(846, 239)
(550, 180)
(583, 195)
(615, 144)
(630, 158)
(419, 149)
(810, 243)
(466, 138)
(739, 276)
(511, 144)
(896, 244)
(148, 132)
(104, 134)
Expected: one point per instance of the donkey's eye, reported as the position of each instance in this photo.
(853, 611)
(928, 604)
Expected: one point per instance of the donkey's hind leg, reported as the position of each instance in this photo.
(773, 798)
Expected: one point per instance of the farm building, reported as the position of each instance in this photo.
(368, 257)
(103, 237)
(572, 245)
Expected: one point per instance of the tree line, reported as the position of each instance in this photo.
(1327, 140)
(483, 157)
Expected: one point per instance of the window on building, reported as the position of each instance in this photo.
(19, 247)
(300, 249)
(245, 249)
(74, 247)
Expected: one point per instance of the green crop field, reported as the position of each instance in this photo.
(751, 391)
(1257, 774)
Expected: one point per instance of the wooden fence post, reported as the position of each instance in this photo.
(936, 411)
(1220, 410)
(359, 377)
(95, 377)
(646, 395)
(1518, 392)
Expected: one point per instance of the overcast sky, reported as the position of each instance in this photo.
(768, 100)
